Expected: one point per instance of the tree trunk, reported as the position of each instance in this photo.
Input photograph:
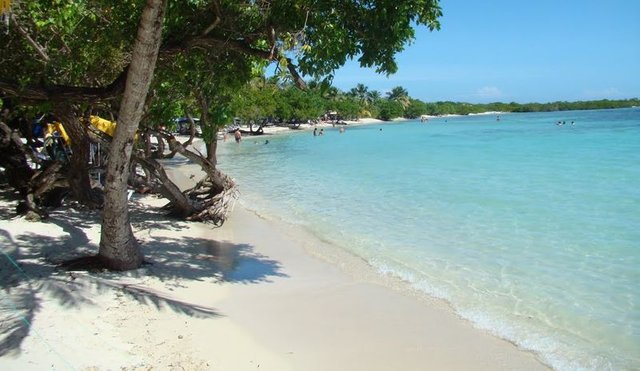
(118, 248)
(211, 151)
(160, 149)
(147, 144)
(78, 170)
(192, 129)
(212, 141)
(182, 206)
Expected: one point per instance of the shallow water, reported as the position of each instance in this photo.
(527, 228)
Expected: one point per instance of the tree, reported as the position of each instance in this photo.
(399, 94)
(256, 100)
(373, 96)
(415, 109)
(46, 46)
(298, 105)
(50, 64)
(118, 247)
(361, 93)
(390, 109)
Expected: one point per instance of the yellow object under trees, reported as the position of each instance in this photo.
(105, 126)
(5, 7)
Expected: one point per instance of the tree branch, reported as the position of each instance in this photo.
(216, 10)
(212, 42)
(59, 93)
(300, 83)
(39, 49)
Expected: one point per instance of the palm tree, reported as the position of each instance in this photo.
(401, 95)
(332, 93)
(374, 96)
(360, 92)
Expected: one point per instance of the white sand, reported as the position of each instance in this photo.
(250, 295)
(270, 130)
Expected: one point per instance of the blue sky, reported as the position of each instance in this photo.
(533, 51)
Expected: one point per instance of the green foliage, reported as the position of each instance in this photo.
(299, 105)
(255, 101)
(440, 108)
(371, 32)
(415, 109)
(268, 99)
(86, 43)
(348, 108)
(211, 48)
(261, 100)
(390, 109)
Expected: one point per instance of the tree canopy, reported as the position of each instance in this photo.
(54, 46)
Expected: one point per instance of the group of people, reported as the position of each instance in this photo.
(321, 131)
(560, 123)
(238, 135)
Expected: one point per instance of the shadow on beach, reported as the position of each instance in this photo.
(31, 272)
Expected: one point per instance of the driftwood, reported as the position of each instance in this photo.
(210, 200)
(212, 197)
(215, 206)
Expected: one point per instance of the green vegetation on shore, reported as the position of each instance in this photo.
(268, 99)
(440, 108)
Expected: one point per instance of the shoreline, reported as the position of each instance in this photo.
(253, 293)
(379, 323)
(278, 130)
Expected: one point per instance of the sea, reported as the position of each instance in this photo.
(528, 224)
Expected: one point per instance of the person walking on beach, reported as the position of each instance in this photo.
(238, 136)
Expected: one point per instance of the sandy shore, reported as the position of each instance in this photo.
(253, 294)
(269, 130)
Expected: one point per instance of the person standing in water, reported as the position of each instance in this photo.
(238, 136)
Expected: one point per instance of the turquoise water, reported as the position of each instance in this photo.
(529, 229)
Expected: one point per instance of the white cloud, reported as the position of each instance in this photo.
(489, 92)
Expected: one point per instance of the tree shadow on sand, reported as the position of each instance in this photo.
(31, 268)
(6, 209)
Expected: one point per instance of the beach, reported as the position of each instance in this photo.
(279, 130)
(249, 295)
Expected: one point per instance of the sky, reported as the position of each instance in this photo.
(517, 51)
